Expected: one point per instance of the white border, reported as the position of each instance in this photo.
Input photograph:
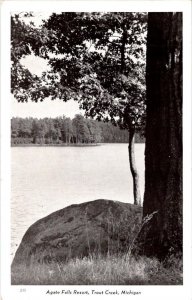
(148, 292)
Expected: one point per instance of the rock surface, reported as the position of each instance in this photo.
(99, 226)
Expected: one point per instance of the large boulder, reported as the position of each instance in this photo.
(100, 226)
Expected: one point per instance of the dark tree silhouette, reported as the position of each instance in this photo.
(163, 158)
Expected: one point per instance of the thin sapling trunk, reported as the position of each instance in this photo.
(133, 168)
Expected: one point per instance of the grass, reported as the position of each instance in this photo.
(102, 270)
(120, 268)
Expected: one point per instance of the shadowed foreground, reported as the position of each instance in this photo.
(98, 270)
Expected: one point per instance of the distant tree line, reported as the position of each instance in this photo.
(60, 130)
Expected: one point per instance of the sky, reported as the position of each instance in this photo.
(47, 108)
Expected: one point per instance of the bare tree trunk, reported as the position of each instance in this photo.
(163, 155)
(133, 168)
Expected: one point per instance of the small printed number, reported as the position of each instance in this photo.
(22, 290)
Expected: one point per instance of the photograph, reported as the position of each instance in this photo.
(96, 142)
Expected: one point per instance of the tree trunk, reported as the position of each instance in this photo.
(133, 168)
(163, 156)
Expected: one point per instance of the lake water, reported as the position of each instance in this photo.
(45, 179)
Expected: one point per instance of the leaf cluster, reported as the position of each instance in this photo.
(95, 58)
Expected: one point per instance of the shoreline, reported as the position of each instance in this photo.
(65, 145)
(54, 145)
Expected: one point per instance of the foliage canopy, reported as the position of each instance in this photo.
(95, 58)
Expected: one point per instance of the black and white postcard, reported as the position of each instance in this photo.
(96, 149)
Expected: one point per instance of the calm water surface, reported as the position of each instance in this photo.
(45, 179)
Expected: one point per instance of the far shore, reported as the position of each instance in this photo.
(64, 145)
(54, 145)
